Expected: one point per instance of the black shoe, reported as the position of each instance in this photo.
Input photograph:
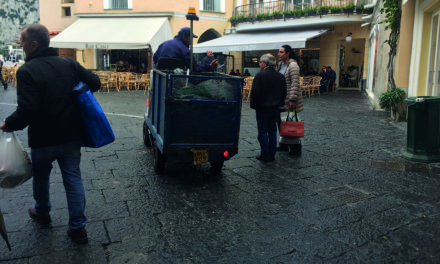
(265, 159)
(295, 150)
(78, 236)
(283, 147)
(6, 87)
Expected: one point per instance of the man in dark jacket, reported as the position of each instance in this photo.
(47, 106)
(178, 48)
(267, 95)
(331, 76)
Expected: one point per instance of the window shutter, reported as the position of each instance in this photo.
(223, 6)
(201, 5)
(106, 4)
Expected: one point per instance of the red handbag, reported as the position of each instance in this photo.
(292, 128)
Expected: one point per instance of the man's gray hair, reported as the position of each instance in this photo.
(38, 33)
(269, 59)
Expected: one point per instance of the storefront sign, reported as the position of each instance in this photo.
(97, 46)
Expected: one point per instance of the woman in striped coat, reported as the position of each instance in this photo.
(288, 65)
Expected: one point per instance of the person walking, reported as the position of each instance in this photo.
(47, 106)
(5, 85)
(267, 95)
(288, 65)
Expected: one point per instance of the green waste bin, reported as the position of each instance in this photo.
(423, 137)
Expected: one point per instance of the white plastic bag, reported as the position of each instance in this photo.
(291, 114)
(15, 164)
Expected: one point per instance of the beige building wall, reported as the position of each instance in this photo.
(97, 6)
(85, 57)
(199, 27)
(403, 55)
(238, 61)
(52, 16)
(330, 41)
(381, 73)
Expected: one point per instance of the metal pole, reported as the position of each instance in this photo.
(191, 47)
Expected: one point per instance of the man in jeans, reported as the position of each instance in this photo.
(268, 93)
(47, 106)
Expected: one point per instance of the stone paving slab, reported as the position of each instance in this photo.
(350, 198)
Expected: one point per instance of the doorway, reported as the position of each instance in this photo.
(434, 61)
(351, 62)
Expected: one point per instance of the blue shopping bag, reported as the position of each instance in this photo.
(98, 131)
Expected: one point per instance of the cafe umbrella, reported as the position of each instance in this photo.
(3, 230)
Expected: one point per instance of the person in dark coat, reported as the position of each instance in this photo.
(178, 48)
(208, 58)
(5, 85)
(331, 76)
(47, 106)
(246, 73)
(268, 93)
(324, 80)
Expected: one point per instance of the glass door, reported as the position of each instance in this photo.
(434, 62)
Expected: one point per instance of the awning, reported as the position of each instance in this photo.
(259, 41)
(114, 33)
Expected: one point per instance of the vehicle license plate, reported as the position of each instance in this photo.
(200, 156)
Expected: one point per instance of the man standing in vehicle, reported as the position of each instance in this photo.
(178, 48)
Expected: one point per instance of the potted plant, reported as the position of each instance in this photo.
(232, 20)
(394, 100)
(360, 9)
(277, 15)
(310, 11)
(259, 17)
(249, 18)
(268, 16)
(288, 14)
(335, 10)
(324, 10)
(240, 19)
(349, 9)
(298, 13)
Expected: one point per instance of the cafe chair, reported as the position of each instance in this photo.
(112, 82)
(247, 88)
(123, 80)
(305, 85)
(315, 84)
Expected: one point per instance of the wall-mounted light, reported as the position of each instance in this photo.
(348, 38)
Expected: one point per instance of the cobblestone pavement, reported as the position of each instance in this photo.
(350, 198)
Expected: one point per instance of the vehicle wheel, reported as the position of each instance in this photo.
(159, 160)
(295, 150)
(147, 136)
(216, 166)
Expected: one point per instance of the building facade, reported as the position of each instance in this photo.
(322, 33)
(117, 34)
(424, 74)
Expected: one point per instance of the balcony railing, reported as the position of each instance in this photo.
(298, 8)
